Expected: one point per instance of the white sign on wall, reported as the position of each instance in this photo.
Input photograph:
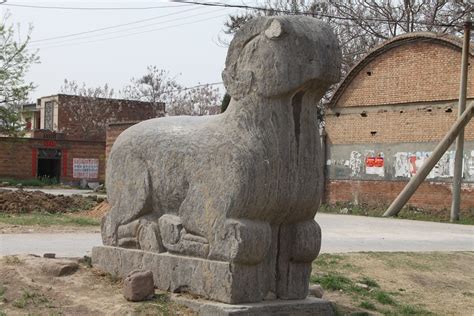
(83, 168)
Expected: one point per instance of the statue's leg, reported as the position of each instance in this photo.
(241, 241)
(186, 232)
(299, 245)
(128, 186)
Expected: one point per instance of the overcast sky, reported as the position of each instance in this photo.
(183, 39)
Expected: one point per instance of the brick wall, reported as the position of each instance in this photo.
(15, 158)
(87, 118)
(84, 149)
(402, 99)
(413, 72)
(423, 122)
(18, 159)
(431, 196)
(113, 131)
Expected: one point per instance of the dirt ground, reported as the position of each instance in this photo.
(20, 202)
(27, 287)
(90, 209)
(411, 284)
(434, 283)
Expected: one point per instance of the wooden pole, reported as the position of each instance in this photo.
(425, 169)
(458, 160)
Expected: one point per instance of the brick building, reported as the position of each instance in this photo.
(66, 137)
(86, 118)
(387, 116)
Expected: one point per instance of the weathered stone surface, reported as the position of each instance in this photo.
(316, 290)
(306, 307)
(59, 267)
(237, 190)
(138, 285)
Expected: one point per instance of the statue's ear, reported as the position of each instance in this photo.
(238, 83)
(274, 30)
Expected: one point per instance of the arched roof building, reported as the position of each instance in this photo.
(388, 114)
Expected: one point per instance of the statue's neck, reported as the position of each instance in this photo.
(259, 109)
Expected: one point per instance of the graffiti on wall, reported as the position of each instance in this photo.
(470, 164)
(407, 164)
(372, 164)
(355, 163)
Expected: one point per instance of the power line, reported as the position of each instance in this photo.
(113, 26)
(89, 8)
(136, 33)
(137, 27)
(198, 86)
(314, 14)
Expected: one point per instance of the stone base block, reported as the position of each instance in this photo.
(309, 306)
(214, 280)
(177, 274)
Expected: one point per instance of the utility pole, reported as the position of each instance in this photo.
(425, 169)
(458, 162)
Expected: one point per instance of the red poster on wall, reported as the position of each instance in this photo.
(374, 165)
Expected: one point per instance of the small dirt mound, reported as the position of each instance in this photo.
(20, 201)
(98, 211)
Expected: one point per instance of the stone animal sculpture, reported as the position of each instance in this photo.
(243, 186)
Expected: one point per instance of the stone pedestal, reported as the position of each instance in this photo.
(214, 280)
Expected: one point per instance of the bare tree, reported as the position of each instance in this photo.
(157, 86)
(362, 24)
(72, 87)
(87, 110)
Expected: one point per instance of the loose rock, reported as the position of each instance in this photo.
(316, 290)
(138, 286)
(362, 285)
(59, 268)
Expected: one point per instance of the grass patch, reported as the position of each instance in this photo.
(368, 281)
(3, 289)
(344, 282)
(384, 298)
(412, 310)
(159, 305)
(368, 305)
(408, 212)
(30, 297)
(37, 182)
(332, 282)
(47, 219)
(12, 260)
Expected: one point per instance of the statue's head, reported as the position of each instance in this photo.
(274, 56)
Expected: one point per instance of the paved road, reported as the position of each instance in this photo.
(347, 233)
(341, 233)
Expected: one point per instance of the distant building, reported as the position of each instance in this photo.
(66, 135)
(387, 116)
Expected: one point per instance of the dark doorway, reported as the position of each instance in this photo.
(49, 164)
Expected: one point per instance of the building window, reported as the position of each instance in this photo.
(48, 115)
